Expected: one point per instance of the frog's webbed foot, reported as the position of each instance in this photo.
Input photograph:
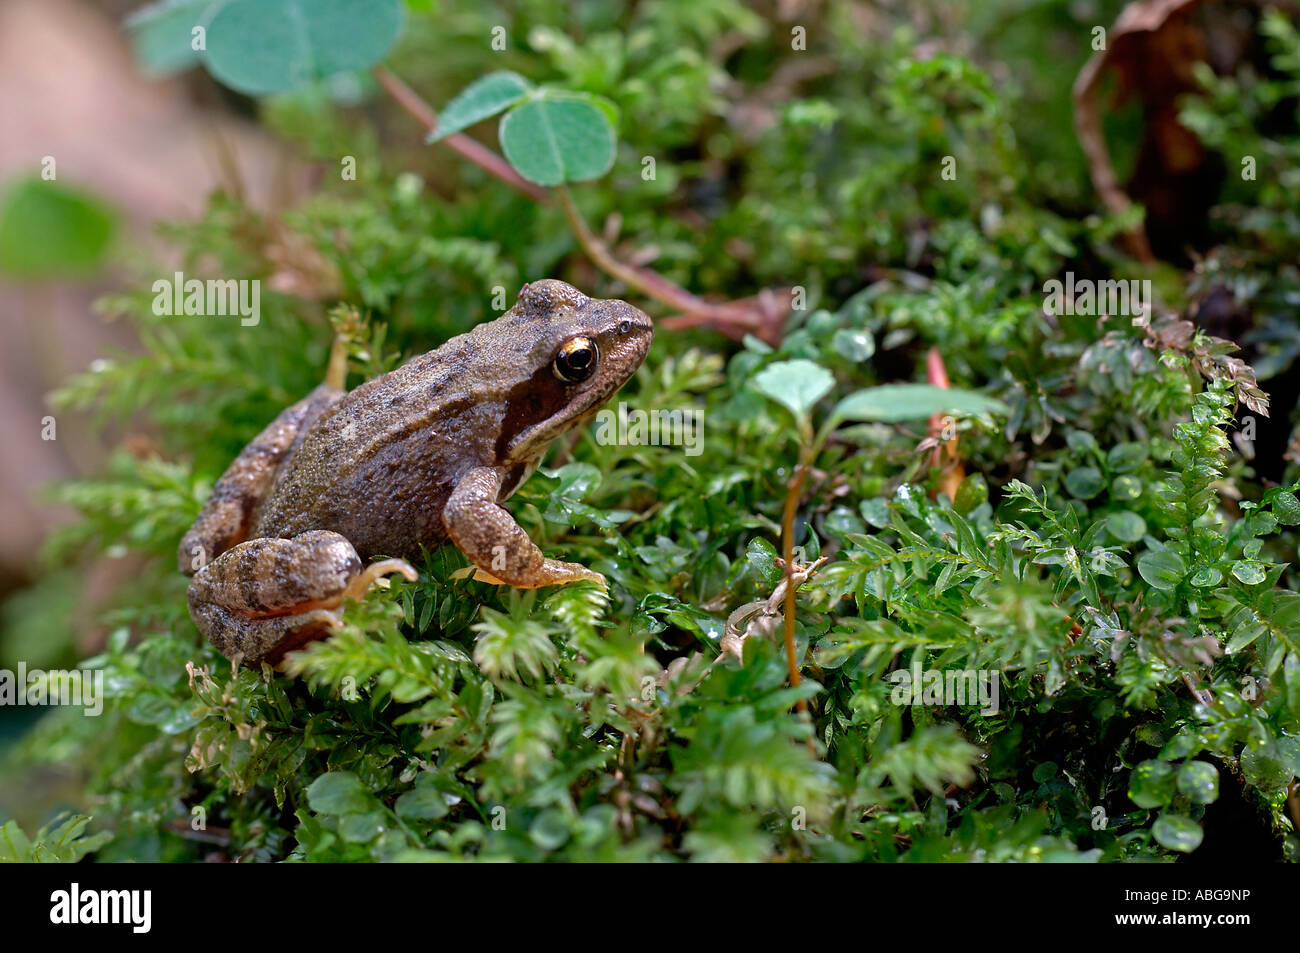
(269, 596)
(501, 551)
(553, 572)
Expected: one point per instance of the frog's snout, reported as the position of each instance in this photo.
(633, 328)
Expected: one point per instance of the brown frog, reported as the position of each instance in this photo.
(420, 455)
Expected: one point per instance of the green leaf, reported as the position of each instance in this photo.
(361, 828)
(482, 98)
(1125, 488)
(1045, 772)
(1264, 767)
(894, 403)
(760, 554)
(1250, 571)
(65, 843)
(1126, 456)
(1177, 832)
(60, 841)
(550, 831)
(422, 803)
(1125, 526)
(557, 139)
(338, 792)
(1243, 637)
(162, 34)
(1286, 508)
(1161, 568)
(1152, 784)
(854, 344)
(269, 46)
(973, 491)
(1085, 483)
(1082, 441)
(48, 230)
(1199, 781)
(1288, 753)
(15, 848)
(518, 649)
(796, 385)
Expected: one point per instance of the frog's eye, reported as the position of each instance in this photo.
(576, 360)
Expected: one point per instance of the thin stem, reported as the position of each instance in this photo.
(947, 455)
(787, 553)
(458, 142)
(336, 373)
(651, 284)
(762, 315)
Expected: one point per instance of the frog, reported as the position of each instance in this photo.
(345, 488)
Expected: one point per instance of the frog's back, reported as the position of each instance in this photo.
(379, 464)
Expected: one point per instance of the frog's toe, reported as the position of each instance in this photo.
(360, 585)
(573, 572)
(478, 575)
(552, 572)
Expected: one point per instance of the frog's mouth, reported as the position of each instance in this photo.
(534, 438)
(540, 409)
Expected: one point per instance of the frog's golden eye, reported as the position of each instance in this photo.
(576, 360)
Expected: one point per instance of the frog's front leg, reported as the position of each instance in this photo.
(485, 531)
(269, 596)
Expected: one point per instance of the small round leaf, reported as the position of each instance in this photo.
(1125, 488)
(1152, 784)
(1286, 508)
(553, 140)
(1205, 577)
(1249, 571)
(1126, 527)
(854, 344)
(1161, 568)
(269, 46)
(1085, 482)
(338, 792)
(1126, 456)
(1177, 832)
(1199, 781)
(163, 33)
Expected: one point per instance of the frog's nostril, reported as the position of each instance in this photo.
(624, 326)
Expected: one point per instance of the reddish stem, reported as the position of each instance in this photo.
(762, 316)
(946, 456)
(458, 142)
(787, 553)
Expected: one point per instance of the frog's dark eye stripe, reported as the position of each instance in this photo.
(576, 360)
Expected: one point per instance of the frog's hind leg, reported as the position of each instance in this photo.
(226, 517)
(249, 640)
(269, 596)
